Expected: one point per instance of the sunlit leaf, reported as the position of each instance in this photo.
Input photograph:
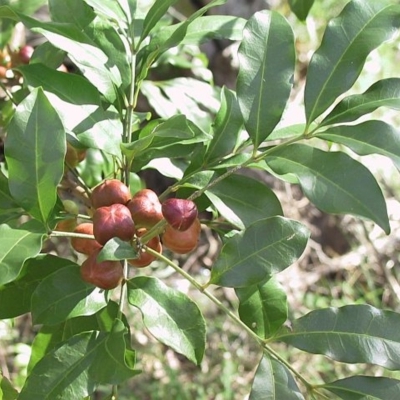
(352, 334)
(242, 200)
(384, 93)
(116, 249)
(64, 295)
(34, 171)
(263, 307)
(267, 60)
(273, 381)
(265, 248)
(170, 316)
(333, 181)
(347, 41)
(15, 296)
(16, 246)
(369, 137)
(75, 368)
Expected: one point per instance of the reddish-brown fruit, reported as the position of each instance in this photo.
(113, 221)
(179, 213)
(25, 54)
(145, 258)
(82, 245)
(110, 191)
(145, 208)
(3, 71)
(66, 225)
(182, 242)
(105, 275)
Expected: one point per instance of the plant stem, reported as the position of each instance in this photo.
(70, 234)
(8, 93)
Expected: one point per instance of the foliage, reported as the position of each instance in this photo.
(207, 135)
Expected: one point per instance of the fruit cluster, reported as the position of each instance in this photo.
(119, 215)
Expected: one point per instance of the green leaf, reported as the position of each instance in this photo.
(115, 250)
(365, 387)
(6, 200)
(263, 307)
(301, 8)
(347, 41)
(73, 96)
(170, 316)
(108, 8)
(242, 200)
(71, 11)
(352, 334)
(210, 27)
(226, 128)
(81, 49)
(15, 297)
(75, 368)
(266, 247)
(384, 93)
(50, 336)
(370, 137)
(267, 60)
(333, 181)
(154, 15)
(273, 381)
(64, 295)
(105, 35)
(7, 391)
(16, 246)
(34, 169)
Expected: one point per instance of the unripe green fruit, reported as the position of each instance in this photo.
(113, 221)
(105, 275)
(110, 191)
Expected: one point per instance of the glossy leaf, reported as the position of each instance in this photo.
(170, 316)
(333, 181)
(265, 248)
(266, 68)
(108, 8)
(352, 334)
(154, 15)
(347, 41)
(384, 93)
(79, 365)
(16, 246)
(242, 200)
(370, 137)
(80, 48)
(365, 387)
(64, 295)
(301, 8)
(116, 249)
(6, 200)
(226, 128)
(15, 296)
(273, 381)
(210, 27)
(263, 307)
(105, 35)
(34, 171)
(49, 337)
